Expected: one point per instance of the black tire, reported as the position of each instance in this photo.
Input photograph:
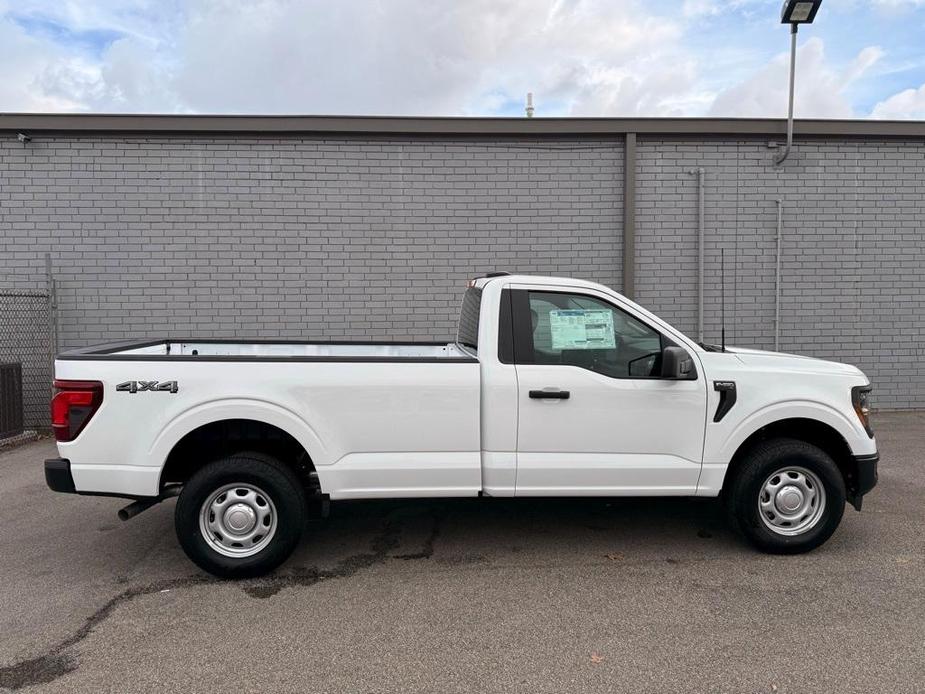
(271, 479)
(757, 467)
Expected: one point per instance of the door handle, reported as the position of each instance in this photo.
(549, 394)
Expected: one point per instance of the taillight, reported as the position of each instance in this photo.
(72, 406)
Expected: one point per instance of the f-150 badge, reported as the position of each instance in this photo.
(142, 386)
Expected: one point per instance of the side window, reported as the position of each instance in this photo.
(467, 332)
(580, 330)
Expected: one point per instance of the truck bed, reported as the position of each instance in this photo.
(233, 350)
(376, 420)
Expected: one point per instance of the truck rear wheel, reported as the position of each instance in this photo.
(786, 497)
(240, 516)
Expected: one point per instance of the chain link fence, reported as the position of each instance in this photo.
(27, 337)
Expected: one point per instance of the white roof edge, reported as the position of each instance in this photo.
(543, 279)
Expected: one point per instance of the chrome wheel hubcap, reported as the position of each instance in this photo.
(238, 520)
(791, 501)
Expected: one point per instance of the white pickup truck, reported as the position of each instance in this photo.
(553, 387)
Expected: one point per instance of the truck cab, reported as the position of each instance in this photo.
(591, 394)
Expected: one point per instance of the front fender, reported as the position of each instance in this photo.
(849, 427)
(236, 408)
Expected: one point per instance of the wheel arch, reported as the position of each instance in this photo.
(809, 430)
(225, 437)
(211, 431)
(849, 430)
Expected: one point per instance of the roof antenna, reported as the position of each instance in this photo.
(722, 297)
(529, 108)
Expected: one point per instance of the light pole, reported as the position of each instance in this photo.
(795, 13)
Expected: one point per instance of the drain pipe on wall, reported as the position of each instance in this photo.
(700, 234)
(780, 220)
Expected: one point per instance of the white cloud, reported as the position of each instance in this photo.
(24, 59)
(907, 104)
(366, 56)
(441, 57)
(711, 8)
(69, 56)
(630, 91)
(450, 58)
(899, 4)
(820, 90)
(289, 56)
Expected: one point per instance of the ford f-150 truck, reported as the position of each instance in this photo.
(553, 387)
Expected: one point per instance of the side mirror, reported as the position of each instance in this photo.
(677, 364)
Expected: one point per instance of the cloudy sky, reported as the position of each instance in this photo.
(861, 59)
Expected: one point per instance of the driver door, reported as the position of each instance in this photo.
(595, 417)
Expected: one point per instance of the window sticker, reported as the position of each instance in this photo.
(582, 329)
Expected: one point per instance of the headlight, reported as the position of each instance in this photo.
(860, 398)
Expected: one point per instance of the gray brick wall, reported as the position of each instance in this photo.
(373, 238)
(853, 249)
(297, 237)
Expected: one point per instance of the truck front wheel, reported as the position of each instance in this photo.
(240, 516)
(786, 496)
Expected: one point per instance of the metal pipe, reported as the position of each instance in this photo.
(701, 173)
(700, 177)
(136, 507)
(780, 218)
(793, 61)
(722, 298)
(52, 289)
(629, 216)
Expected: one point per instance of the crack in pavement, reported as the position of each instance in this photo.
(56, 662)
(381, 545)
(427, 551)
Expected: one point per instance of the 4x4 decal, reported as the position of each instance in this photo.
(142, 386)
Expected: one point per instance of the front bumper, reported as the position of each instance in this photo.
(58, 475)
(864, 478)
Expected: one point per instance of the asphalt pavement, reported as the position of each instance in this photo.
(473, 595)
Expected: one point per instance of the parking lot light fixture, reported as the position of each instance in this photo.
(799, 11)
(795, 13)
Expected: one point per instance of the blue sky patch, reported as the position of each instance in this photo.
(92, 42)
